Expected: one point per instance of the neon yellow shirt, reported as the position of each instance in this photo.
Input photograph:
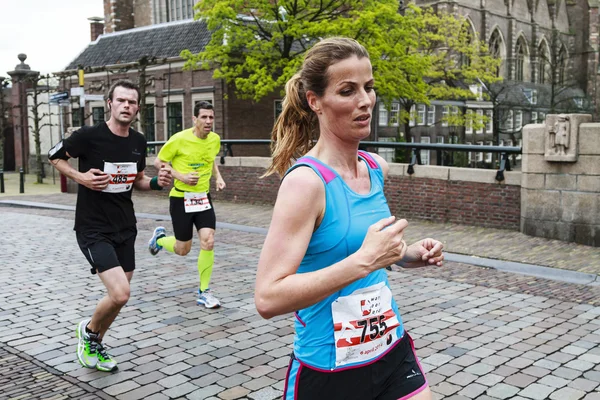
(187, 152)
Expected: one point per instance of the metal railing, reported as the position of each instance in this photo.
(415, 158)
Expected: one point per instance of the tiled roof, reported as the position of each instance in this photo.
(160, 41)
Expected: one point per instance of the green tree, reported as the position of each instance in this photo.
(441, 60)
(417, 55)
(258, 44)
(37, 117)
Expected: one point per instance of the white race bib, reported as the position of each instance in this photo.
(122, 176)
(195, 202)
(364, 324)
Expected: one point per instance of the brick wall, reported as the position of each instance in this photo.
(472, 203)
(118, 15)
(438, 200)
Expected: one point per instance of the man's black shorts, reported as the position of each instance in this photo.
(183, 222)
(109, 250)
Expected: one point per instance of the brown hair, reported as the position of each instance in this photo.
(202, 105)
(124, 83)
(297, 125)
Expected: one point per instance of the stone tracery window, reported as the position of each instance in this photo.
(521, 61)
(543, 75)
(498, 50)
(468, 33)
(562, 65)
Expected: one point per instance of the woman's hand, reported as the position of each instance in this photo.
(423, 253)
(384, 244)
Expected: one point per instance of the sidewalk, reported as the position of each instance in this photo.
(50, 185)
(497, 244)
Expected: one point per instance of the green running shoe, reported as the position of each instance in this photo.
(105, 362)
(86, 346)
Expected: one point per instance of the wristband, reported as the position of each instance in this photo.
(154, 184)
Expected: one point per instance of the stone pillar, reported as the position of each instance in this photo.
(22, 79)
(560, 187)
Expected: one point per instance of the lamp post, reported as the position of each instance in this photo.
(20, 77)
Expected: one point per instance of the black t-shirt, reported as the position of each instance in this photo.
(95, 146)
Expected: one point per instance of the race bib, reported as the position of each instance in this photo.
(195, 202)
(364, 324)
(122, 176)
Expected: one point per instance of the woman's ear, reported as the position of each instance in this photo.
(313, 101)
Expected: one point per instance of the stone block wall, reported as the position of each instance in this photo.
(561, 200)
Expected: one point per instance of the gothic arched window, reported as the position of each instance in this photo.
(521, 61)
(498, 50)
(543, 75)
(562, 65)
(468, 34)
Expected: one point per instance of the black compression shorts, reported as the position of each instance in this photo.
(108, 250)
(183, 223)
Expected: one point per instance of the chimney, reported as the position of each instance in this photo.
(96, 27)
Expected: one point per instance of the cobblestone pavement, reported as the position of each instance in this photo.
(480, 333)
(471, 240)
(22, 377)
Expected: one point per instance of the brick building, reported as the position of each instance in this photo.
(121, 15)
(170, 91)
(549, 50)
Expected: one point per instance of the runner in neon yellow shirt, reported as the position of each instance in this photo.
(191, 154)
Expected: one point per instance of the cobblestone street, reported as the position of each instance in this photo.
(480, 333)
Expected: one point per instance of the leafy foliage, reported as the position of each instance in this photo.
(417, 55)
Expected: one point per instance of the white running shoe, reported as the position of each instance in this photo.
(153, 246)
(86, 346)
(207, 299)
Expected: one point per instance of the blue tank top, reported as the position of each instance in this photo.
(347, 218)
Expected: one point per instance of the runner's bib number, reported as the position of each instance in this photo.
(364, 324)
(195, 202)
(122, 176)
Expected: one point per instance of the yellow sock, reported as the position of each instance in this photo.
(167, 243)
(206, 259)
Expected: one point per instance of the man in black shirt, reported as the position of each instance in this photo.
(112, 159)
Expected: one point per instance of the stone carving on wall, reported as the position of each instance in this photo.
(562, 133)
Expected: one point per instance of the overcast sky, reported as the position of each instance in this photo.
(51, 32)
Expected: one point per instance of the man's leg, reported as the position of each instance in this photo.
(171, 244)
(101, 252)
(206, 260)
(181, 241)
(116, 282)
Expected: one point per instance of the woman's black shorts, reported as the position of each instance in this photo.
(396, 375)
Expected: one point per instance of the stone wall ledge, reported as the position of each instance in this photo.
(421, 171)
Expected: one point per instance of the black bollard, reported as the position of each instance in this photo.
(21, 180)
(1, 181)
